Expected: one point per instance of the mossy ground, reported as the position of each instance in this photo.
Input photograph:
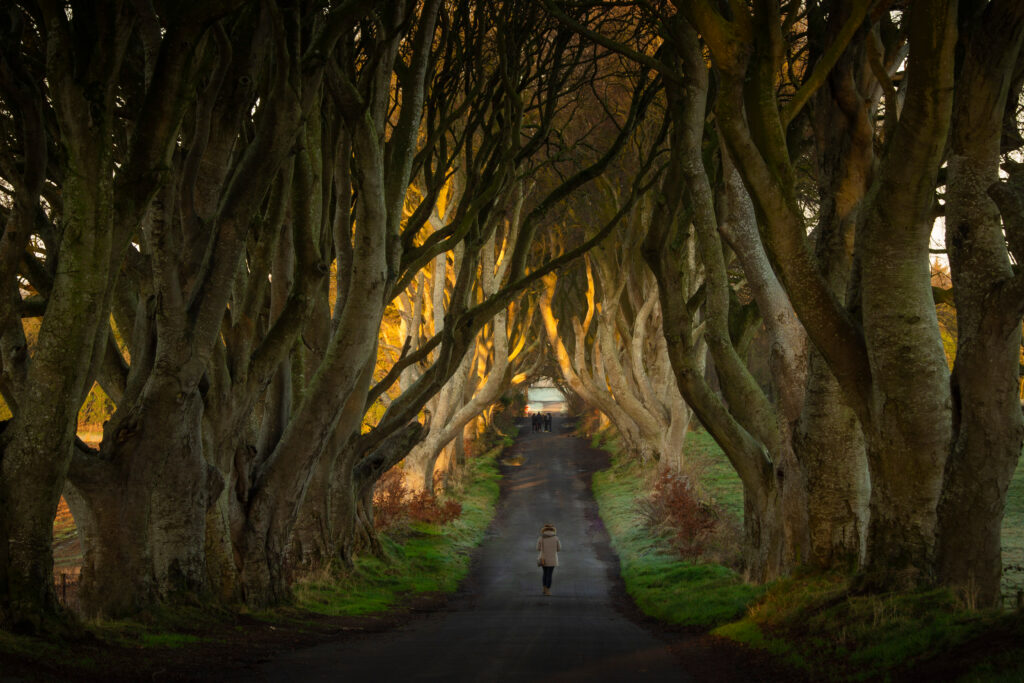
(428, 558)
(183, 642)
(664, 586)
(814, 624)
(811, 622)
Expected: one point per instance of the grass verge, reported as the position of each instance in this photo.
(661, 584)
(811, 623)
(814, 624)
(1013, 534)
(188, 642)
(429, 558)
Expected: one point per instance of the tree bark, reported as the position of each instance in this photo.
(988, 424)
(142, 506)
(910, 429)
(830, 446)
(36, 445)
(829, 439)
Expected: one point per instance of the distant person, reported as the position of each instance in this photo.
(548, 546)
(547, 422)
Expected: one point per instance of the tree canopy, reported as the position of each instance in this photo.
(297, 243)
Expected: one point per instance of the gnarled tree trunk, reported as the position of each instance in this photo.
(141, 506)
(987, 418)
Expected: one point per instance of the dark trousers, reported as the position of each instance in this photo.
(548, 571)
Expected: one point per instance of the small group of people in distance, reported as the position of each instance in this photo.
(541, 422)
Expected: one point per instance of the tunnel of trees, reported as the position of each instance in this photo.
(296, 243)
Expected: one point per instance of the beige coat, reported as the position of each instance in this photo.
(548, 545)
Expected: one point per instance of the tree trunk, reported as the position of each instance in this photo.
(322, 533)
(419, 465)
(143, 506)
(346, 540)
(980, 467)
(37, 444)
(909, 423)
(987, 417)
(29, 494)
(764, 530)
(221, 570)
(829, 441)
(830, 445)
(313, 538)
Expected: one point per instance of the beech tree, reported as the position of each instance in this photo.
(985, 247)
(194, 261)
(489, 366)
(888, 357)
(702, 226)
(609, 347)
(71, 72)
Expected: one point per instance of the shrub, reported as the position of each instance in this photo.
(424, 507)
(389, 499)
(394, 504)
(474, 447)
(679, 509)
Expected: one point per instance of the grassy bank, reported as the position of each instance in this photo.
(811, 623)
(815, 625)
(424, 558)
(420, 562)
(661, 584)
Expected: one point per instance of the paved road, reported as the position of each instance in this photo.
(500, 627)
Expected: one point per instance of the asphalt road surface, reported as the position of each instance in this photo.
(500, 627)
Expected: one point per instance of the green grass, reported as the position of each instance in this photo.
(716, 474)
(810, 622)
(161, 626)
(30, 647)
(1013, 535)
(83, 647)
(813, 624)
(430, 558)
(663, 585)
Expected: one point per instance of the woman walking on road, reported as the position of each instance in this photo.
(548, 546)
